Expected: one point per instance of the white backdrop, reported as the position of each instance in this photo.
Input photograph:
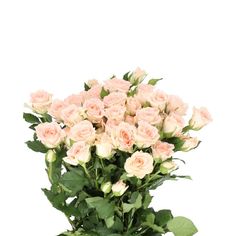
(56, 45)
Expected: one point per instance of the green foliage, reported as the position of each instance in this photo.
(104, 93)
(177, 142)
(86, 87)
(36, 146)
(154, 81)
(30, 118)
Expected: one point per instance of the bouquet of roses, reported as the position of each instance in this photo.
(107, 147)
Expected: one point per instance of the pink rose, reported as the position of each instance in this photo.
(94, 109)
(116, 112)
(94, 92)
(41, 101)
(146, 135)
(72, 115)
(50, 134)
(56, 108)
(111, 125)
(138, 75)
(119, 188)
(83, 131)
(173, 124)
(167, 166)
(92, 82)
(189, 143)
(176, 105)
(79, 153)
(158, 99)
(117, 85)
(123, 137)
(144, 92)
(130, 119)
(139, 164)
(75, 99)
(162, 150)
(200, 118)
(115, 98)
(132, 105)
(150, 115)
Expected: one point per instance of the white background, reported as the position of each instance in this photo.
(56, 45)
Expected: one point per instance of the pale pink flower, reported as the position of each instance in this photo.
(200, 118)
(75, 99)
(167, 166)
(50, 134)
(40, 101)
(139, 164)
(94, 92)
(173, 124)
(130, 119)
(162, 150)
(144, 92)
(94, 108)
(111, 125)
(176, 105)
(146, 135)
(115, 98)
(158, 99)
(189, 143)
(138, 75)
(117, 85)
(83, 131)
(119, 188)
(92, 82)
(115, 112)
(150, 115)
(132, 105)
(56, 108)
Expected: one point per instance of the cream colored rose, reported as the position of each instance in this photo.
(117, 85)
(167, 167)
(173, 124)
(111, 126)
(132, 105)
(189, 143)
(200, 118)
(94, 92)
(40, 101)
(75, 99)
(92, 82)
(162, 150)
(115, 98)
(150, 115)
(79, 153)
(55, 109)
(104, 147)
(130, 120)
(158, 99)
(119, 188)
(116, 112)
(138, 75)
(144, 92)
(146, 135)
(139, 164)
(72, 115)
(176, 105)
(123, 137)
(94, 108)
(50, 134)
(83, 131)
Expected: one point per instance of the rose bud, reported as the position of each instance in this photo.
(106, 187)
(167, 167)
(119, 188)
(51, 156)
(189, 143)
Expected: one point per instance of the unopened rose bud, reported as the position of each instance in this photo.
(189, 144)
(167, 166)
(138, 76)
(104, 150)
(51, 156)
(119, 188)
(106, 187)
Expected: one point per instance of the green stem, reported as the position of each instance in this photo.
(50, 170)
(149, 179)
(86, 171)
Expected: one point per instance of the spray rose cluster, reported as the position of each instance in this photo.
(107, 146)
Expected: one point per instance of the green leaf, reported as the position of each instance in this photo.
(150, 218)
(147, 200)
(37, 146)
(154, 81)
(181, 226)
(136, 200)
(127, 207)
(109, 222)
(156, 228)
(30, 118)
(73, 181)
(177, 142)
(163, 216)
(104, 93)
(126, 76)
(104, 208)
(86, 87)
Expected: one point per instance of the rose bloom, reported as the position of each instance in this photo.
(50, 134)
(149, 114)
(117, 85)
(158, 99)
(123, 137)
(116, 112)
(75, 99)
(40, 101)
(79, 153)
(173, 124)
(138, 75)
(139, 164)
(94, 92)
(92, 82)
(130, 119)
(189, 143)
(144, 92)
(132, 105)
(94, 109)
(72, 115)
(119, 188)
(167, 167)
(146, 135)
(104, 148)
(115, 98)
(83, 131)
(200, 118)
(111, 125)
(162, 150)
(176, 105)
(56, 108)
